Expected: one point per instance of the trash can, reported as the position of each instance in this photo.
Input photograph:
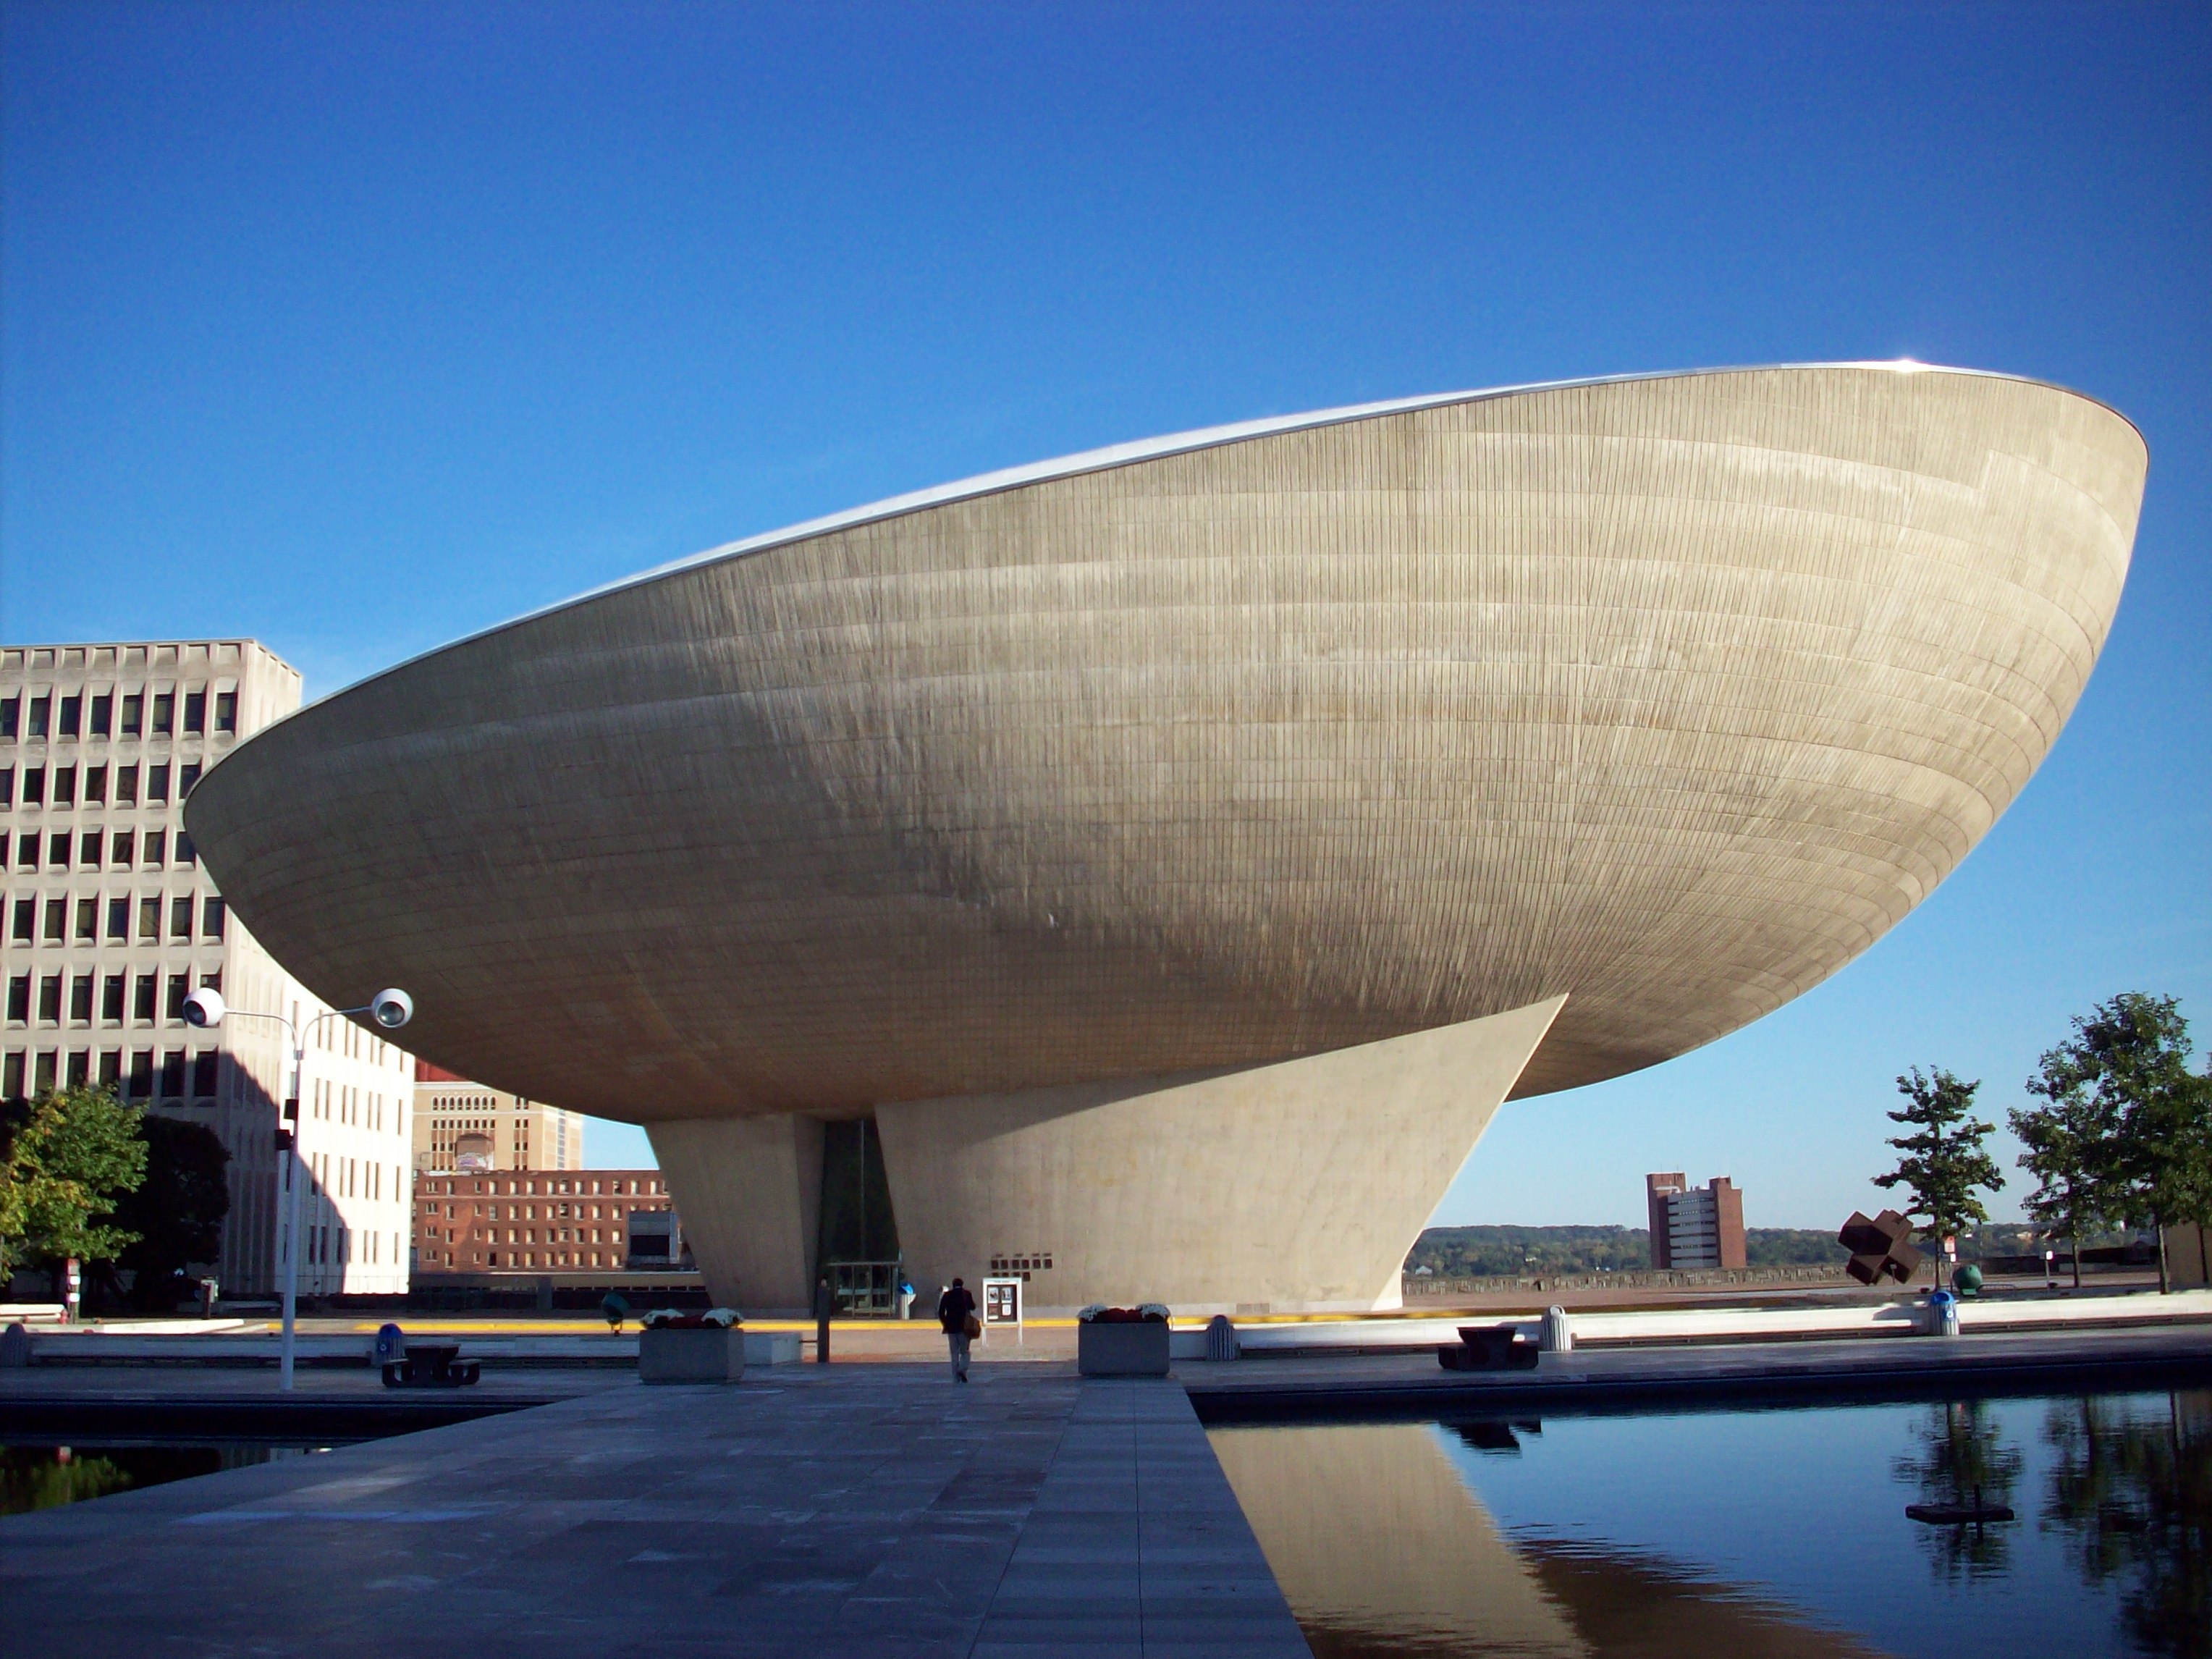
(1221, 1341)
(1943, 1314)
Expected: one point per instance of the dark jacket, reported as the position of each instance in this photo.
(953, 1309)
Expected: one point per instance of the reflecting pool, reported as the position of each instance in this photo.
(1750, 1532)
(47, 1476)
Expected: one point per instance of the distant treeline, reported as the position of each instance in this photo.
(1502, 1252)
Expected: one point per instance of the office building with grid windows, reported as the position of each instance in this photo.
(594, 1221)
(108, 919)
(463, 1125)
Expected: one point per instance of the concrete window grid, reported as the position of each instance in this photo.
(468, 1219)
(112, 820)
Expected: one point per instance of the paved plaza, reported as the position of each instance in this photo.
(872, 1510)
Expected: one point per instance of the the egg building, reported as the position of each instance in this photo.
(1160, 864)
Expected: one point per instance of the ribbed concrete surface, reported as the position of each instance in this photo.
(1670, 694)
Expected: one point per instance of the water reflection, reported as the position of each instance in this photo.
(1382, 1549)
(44, 1477)
(2131, 1492)
(1960, 1456)
(1744, 1533)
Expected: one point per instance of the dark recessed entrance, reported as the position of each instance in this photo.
(858, 1247)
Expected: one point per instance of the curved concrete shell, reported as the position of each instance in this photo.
(1665, 696)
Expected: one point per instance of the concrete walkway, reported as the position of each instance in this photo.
(872, 1510)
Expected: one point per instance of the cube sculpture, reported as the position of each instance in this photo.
(1880, 1248)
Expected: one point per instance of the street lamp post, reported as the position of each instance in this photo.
(204, 1008)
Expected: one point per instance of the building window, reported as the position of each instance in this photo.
(42, 1072)
(127, 786)
(64, 785)
(27, 917)
(26, 850)
(80, 1068)
(89, 849)
(134, 704)
(187, 853)
(157, 848)
(180, 986)
(11, 1076)
(142, 1074)
(211, 918)
(81, 999)
(149, 918)
(72, 706)
(8, 710)
(19, 999)
(7, 786)
(226, 711)
(141, 998)
(123, 851)
(57, 913)
(110, 998)
(103, 712)
(88, 919)
(111, 1068)
(34, 785)
(172, 1074)
(58, 847)
(157, 782)
(204, 1073)
(165, 713)
(119, 918)
(49, 1000)
(95, 786)
(181, 917)
(39, 706)
(187, 776)
(195, 713)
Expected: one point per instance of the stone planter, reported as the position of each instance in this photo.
(704, 1355)
(1122, 1350)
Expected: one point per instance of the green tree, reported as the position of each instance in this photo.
(178, 1211)
(2128, 1061)
(2132, 1489)
(1944, 1164)
(2072, 1144)
(70, 1159)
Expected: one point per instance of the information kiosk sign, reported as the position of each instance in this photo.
(1002, 1306)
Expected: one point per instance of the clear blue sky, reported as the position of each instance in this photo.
(359, 327)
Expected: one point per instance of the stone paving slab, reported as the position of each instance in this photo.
(872, 1510)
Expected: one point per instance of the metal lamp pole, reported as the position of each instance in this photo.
(205, 1008)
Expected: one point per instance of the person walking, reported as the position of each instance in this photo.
(956, 1313)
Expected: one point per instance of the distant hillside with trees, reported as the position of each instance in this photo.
(1502, 1252)
(1515, 1252)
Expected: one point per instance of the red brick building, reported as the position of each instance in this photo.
(514, 1220)
(1694, 1228)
